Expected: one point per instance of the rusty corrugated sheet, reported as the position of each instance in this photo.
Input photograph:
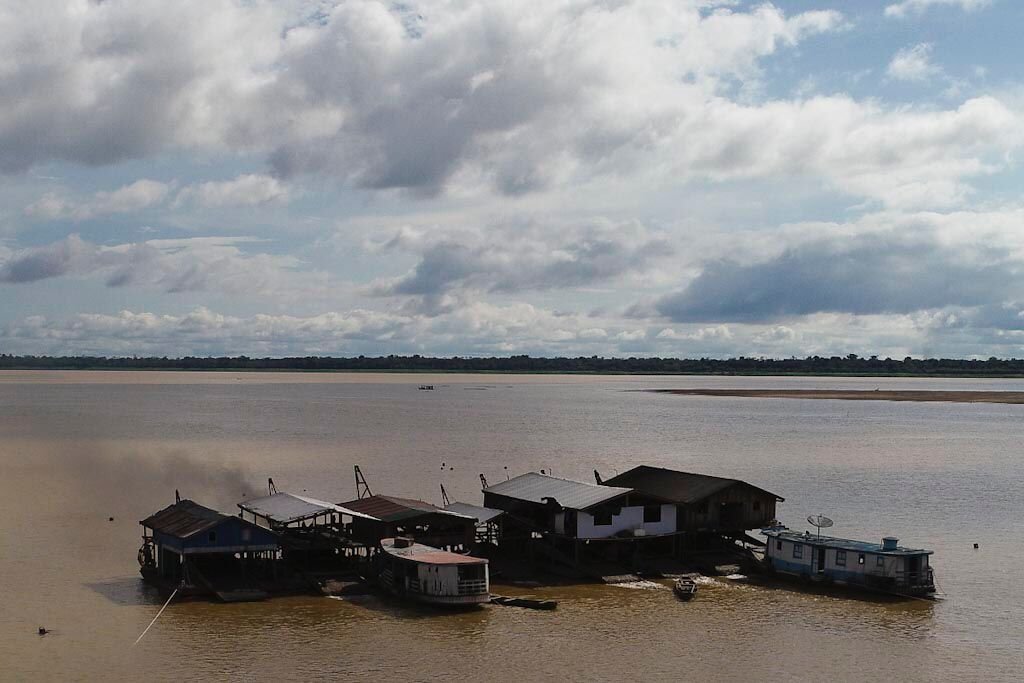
(393, 509)
(426, 554)
(183, 519)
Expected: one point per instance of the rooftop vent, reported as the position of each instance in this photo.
(890, 543)
(403, 542)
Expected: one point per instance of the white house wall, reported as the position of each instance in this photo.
(628, 519)
(892, 564)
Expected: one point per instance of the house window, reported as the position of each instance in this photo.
(798, 550)
(212, 537)
(652, 513)
(602, 518)
(702, 508)
(860, 558)
(778, 545)
(840, 558)
(880, 562)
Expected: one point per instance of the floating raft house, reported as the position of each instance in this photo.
(202, 551)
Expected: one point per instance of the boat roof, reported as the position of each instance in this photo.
(676, 486)
(576, 495)
(425, 554)
(392, 509)
(480, 514)
(810, 538)
(289, 507)
(183, 519)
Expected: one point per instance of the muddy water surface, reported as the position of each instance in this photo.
(79, 448)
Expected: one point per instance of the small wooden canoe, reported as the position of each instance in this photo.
(685, 588)
(529, 603)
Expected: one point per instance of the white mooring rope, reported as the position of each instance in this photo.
(156, 617)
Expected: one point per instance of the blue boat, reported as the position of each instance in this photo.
(885, 567)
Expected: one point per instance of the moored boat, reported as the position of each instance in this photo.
(419, 572)
(885, 567)
(685, 588)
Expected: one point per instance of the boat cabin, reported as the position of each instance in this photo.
(430, 575)
(886, 567)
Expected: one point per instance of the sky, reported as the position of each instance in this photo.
(690, 178)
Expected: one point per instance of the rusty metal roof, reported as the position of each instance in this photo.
(425, 554)
(676, 486)
(392, 509)
(576, 495)
(183, 519)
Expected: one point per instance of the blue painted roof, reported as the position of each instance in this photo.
(809, 538)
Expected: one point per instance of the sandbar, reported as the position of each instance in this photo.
(859, 395)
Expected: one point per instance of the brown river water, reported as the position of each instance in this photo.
(79, 448)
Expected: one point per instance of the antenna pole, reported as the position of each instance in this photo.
(362, 488)
(483, 481)
(444, 496)
(271, 489)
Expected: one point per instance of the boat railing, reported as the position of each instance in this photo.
(472, 586)
(924, 577)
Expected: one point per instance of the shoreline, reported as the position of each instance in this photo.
(1004, 397)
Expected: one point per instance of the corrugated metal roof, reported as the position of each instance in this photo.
(183, 519)
(285, 508)
(426, 554)
(678, 487)
(535, 487)
(480, 514)
(810, 538)
(392, 509)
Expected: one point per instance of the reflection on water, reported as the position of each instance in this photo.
(118, 444)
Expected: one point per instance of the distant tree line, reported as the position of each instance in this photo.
(812, 365)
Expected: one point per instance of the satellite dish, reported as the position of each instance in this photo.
(820, 521)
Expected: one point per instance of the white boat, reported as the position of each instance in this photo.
(884, 567)
(419, 572)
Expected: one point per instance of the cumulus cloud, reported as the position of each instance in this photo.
(910, 7)
(506, 258)
(498, 106)
(245, 190)
(429, 94)
(885, 265)
(485, 329)
(701, 334)
(135, 196)
(477, 328)
(913, 64)
(54, 260)
(215, 264)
